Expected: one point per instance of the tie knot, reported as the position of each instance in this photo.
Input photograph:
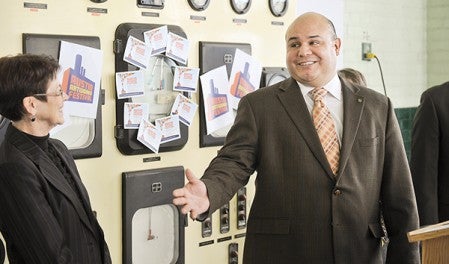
(318, 93)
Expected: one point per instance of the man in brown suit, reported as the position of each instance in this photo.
(303, 211)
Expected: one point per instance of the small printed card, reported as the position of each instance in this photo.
(186, 79)
(177, 48)
(185, 108)
(129, 84)
(133, 114)
(169, 126)
(149, 135)
(136, 53)
(156, 39)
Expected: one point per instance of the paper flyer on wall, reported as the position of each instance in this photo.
(214, 85)
(149, 135)
(80, 77)
(169, 126)
(177, 48)
(136, 53)
(129, 84)
(156, 40)
(245, 76)
(133, 113)
(185, 79)
(185, 108)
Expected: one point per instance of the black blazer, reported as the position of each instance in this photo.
(429, 161)
(41, 218)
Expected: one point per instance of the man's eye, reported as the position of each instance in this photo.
(294, 45)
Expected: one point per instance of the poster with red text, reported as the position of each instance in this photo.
(80, 77)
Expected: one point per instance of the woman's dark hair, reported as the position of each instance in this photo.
(21, 76)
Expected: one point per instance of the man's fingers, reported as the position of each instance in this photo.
(178, 192)
(190, 176)
(179, 201)
(193, 215)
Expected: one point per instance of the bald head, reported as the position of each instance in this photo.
(312, 49)
(312, 17)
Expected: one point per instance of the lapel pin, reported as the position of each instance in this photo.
(360, 100)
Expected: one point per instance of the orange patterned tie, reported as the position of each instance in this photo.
(325, 128)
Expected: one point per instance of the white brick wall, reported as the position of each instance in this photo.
(397, 31)
(437, 42)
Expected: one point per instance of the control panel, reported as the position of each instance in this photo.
(241, 208)
(206, 227)
(224, 219)
(233, 253)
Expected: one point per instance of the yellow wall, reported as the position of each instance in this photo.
(102, 176)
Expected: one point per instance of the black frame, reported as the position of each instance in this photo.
(268, 73)
(276, 13)
(240, 11)
(49, 45)
(150, 4)
(137, 193)
(197, 7)
(126, 139)
(212, 55)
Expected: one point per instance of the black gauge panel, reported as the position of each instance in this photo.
(240, 6)
(198, 5)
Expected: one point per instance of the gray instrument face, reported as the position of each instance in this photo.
(241, 6)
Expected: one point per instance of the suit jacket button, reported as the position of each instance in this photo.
(337, 192)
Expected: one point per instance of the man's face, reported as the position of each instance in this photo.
(312, 50)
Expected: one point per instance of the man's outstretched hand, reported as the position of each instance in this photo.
(192, 197)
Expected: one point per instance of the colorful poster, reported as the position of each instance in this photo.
(80, 77)
(245, 76)
(129, 84)
(136, 53)
(215, 89)
(149, 135)
(185, 108)
(186, 79)
(156, 40)
(133, 113)
(169, 126)
(177, 48)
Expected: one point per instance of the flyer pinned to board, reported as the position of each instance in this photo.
(80, 76)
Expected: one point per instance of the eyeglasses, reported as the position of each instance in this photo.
(58, 93)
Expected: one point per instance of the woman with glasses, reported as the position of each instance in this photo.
(45, 214)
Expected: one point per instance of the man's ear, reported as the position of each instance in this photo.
(30, 105)
(337, 44)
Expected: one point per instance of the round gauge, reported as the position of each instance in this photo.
(278, 7)
(241, 6)
(276, 78)
(198, 5)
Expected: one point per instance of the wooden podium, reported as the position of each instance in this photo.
(434, 242)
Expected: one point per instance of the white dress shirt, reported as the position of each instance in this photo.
(333, 100)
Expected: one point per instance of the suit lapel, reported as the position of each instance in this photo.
(292, 100)
(352, 109)
(48, 170)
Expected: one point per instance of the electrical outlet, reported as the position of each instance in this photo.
(366, 48)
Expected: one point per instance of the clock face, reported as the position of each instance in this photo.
(240, 6)
(199, 5)
(278, 7)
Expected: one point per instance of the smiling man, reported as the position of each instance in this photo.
(325, 153)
